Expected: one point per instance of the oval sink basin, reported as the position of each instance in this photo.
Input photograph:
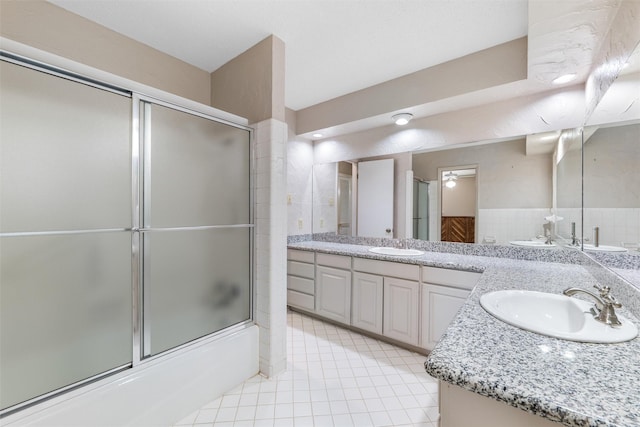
(604, 248)
(554, 315)
(396, 251)
(532, 244)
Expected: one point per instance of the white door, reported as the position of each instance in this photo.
(375, 198)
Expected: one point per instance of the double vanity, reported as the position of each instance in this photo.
(501, 374)
(406, 302)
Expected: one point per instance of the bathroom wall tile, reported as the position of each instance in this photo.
(617, 225)
(271, 229)
(511, 224)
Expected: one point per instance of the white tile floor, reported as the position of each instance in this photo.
(335, 377)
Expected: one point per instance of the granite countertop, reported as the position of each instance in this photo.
(576, 384)
(444, 260)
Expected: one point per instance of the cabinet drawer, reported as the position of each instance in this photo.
(302, 256)
(298, 299)
(386, 268)
(301, 285)
(337, 261)
(455, 278)
(301, 269)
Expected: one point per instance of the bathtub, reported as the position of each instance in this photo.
(159, 392)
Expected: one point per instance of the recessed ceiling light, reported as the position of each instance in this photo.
(564, 79)
(317, 135)
(402, 118)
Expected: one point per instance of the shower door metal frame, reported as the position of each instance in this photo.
(77, 78)
(141, 141)
(135, 231)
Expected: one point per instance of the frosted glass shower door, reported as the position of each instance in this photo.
(196, 227)
(65, 239)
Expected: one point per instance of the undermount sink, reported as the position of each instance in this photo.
(604, 248)
(532, 243)
(396, 251)
(554, 315)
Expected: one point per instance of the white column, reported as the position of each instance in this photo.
(271, 244)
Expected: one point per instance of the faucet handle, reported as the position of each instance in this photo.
(606, 296)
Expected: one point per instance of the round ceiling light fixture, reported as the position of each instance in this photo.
(450, 179)
(317, 135)
(564, 79)
(401, 119)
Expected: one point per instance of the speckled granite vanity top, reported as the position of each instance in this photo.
(573, 383)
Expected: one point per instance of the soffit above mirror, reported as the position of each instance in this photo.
(563, 37)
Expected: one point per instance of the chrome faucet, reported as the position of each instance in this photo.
(574, 240)
(604, 310)
(546, 231)
(402, 244)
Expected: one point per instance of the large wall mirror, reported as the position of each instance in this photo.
(524, 191)
(533, 190)
(612, 176)
(612, 187)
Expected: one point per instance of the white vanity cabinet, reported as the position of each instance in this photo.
(443, 293)
(407, 303)
(333, 287)
(366, 306)
(401, 304)
(301, 279)
(394, 306)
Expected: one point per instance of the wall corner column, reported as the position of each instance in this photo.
(252, 86)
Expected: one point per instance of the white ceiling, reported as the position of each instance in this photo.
(333, 47)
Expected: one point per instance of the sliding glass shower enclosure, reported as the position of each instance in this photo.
(126, 230)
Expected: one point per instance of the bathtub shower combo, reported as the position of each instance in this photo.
(126, 230)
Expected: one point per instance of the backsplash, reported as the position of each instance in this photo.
(504, 225)
(496, 251)
(299, 238)
(618, 226)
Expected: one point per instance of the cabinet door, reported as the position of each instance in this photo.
(440, 304)
(366, 308)
(401, 302)
(333, 293)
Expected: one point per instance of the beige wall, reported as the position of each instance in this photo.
(461, 199)
(299, 181)
(50, 28)
(552, 110)
(507, 177)
(252, 84)
(612, 168)
(499, 65)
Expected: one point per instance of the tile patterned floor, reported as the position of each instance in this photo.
(335, 377)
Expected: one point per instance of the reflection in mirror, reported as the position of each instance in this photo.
(612, 176)
(345, 199)
(375, 188)
(514, 186)
(524, 186)
(612, 187)
(567, 161)
(458, 205)
(324, 194)
(420, 209)
(370, 187)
